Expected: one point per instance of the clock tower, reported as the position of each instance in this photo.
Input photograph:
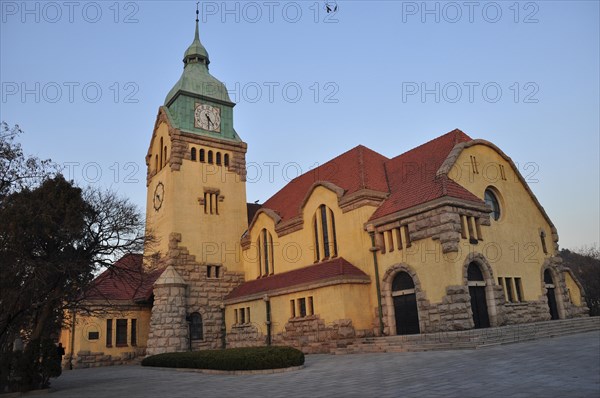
(195, 208)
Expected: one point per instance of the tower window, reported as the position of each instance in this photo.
(226, 160)
(492, 201)
(211, 202)
(218, 158)
(210, 157)
(193, 154)
(201, 155)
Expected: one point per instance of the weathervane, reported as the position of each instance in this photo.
(197, 11)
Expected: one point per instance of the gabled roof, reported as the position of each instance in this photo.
(359, 168)
(412, 176)
(126, 279)
(409, 179)
(336, 271)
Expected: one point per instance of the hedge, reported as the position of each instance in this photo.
(249, 358)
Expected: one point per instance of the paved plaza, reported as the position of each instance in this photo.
(567, 366)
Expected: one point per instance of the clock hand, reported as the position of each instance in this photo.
(209, 121)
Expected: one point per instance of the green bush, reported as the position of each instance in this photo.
(250, 358)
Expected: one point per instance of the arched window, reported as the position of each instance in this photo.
(218, 158)
(325, 239)
(156, 163)
(210, 157)
(196, 332)
(548, 278)
(193, 154)
(202, 156)
(226, 160)
(266, 265)
(474, 273)
(402, 281)
(492, 201)
(165, 156)
(161, 153)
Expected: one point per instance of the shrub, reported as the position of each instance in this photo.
(250, 358)
(30, 369)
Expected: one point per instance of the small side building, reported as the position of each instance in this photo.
(112, 325)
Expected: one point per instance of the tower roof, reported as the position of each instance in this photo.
(196, 79)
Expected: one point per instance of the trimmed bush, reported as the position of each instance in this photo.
(250, 358)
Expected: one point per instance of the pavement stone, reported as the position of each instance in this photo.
(567, 366)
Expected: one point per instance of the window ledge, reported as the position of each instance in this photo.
(516, 304)
(121, 345)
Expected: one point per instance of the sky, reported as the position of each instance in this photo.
(85, 79)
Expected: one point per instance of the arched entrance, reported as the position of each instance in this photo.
(551, 294)
(477, 285)
(405, 304)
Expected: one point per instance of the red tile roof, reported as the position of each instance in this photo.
(412, 176)
(359, 168)
(324, 271)
(126, 279)
(409, 178)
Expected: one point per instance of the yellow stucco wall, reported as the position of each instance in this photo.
(573, 288)
(330, 303)
(85, 324)
(212, 238)
(512, 244)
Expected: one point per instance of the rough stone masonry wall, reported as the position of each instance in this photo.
(87, 359)
(309, 334)
(203, 295)
(168, 329)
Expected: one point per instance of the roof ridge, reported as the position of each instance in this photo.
(455, 131)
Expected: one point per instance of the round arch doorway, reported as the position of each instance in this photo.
(405, 304)
(479, 307)
(551, 294)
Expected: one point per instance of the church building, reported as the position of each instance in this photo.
(447, 236)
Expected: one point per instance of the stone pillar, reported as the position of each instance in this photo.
(168, 326)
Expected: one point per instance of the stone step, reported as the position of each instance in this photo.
(472, 339)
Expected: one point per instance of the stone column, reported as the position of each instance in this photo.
(168, 326)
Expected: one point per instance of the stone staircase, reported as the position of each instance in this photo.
(471, 339)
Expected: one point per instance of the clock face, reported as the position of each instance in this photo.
(207, 118)
(159, 196)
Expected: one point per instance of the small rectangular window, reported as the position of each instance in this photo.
(247, 314)
(311, 308)
(293, 308)
(121, 332)
(407, 235)
(134, 332)
(109, 331)
(509, 290)
(381, 237)
(209, 271)
(543, 239)
(463, 227)
(478, 228)
(93, 335)
(217, 271)
(242, 316)
(302, 305)
(398, 238)
(519, 289)
(390, 240)
(235, 313)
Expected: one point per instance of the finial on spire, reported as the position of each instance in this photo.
(197, 10)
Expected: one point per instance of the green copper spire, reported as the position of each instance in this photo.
(196, 51)
(197, 86)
